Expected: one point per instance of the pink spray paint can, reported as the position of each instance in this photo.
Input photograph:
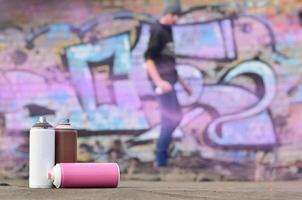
(85, 175)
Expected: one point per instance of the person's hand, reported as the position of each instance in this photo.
(164, 86)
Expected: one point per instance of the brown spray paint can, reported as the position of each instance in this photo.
(66, 143)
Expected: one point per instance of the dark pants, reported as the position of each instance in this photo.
(170, 118)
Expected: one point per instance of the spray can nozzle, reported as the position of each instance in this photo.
(42, 119)
(50, 176)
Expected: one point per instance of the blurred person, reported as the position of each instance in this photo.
(116, 151)
(160, 63)
(85, 152)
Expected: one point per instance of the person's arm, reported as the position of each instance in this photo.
(152, 53)
(163, 85)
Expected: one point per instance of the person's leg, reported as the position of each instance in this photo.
(170, 119)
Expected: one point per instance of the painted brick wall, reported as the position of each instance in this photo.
(84, 60)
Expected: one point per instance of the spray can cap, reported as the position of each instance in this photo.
(65, 121)
(64, 124)
(42, 123)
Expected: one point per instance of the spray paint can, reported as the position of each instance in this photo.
(85, 175)
(66, 143)
(41, 153)
(158, 91)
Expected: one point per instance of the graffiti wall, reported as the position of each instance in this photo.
(242, 64)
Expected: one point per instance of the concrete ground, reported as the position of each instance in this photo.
(17, 189)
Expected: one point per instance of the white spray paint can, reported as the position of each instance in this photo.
(41, 153)
(159, 91)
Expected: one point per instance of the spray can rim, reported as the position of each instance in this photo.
(65, 121)
(42, 123)
(64, 124)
